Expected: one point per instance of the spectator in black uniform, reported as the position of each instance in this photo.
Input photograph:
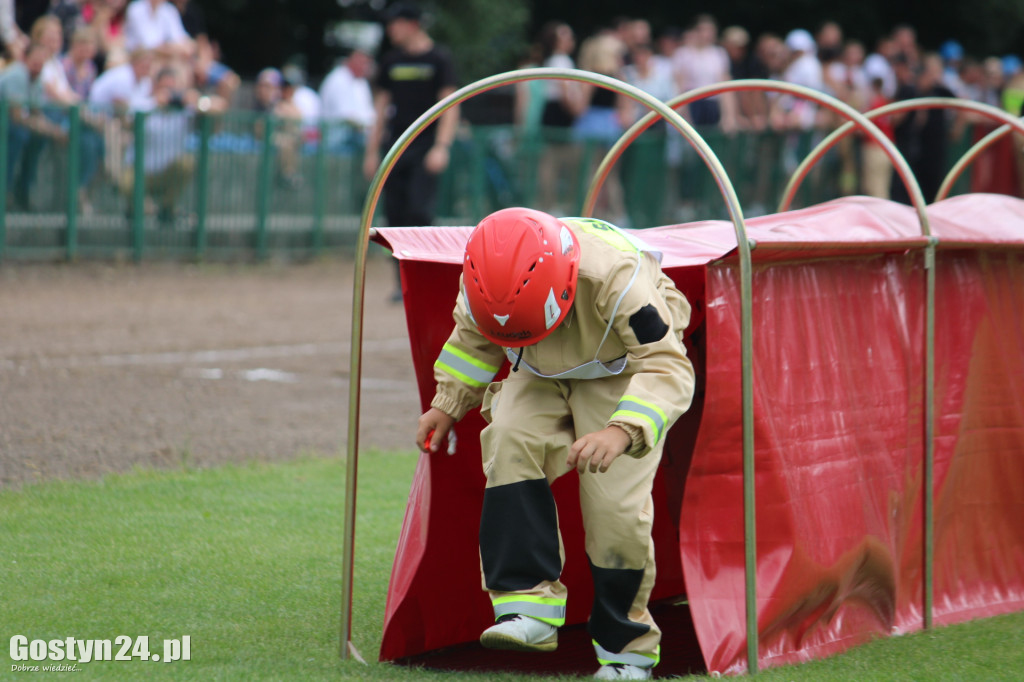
(922, 136)
(412, 77)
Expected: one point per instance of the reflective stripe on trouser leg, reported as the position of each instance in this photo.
(604, 657)
(551, 610)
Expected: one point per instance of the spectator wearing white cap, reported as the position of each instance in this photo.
(804, 69)
(878, 64)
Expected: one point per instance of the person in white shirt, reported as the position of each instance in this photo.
(650, 75)
(114, 92)
(878, 64)
(167, 164)
(345, 94)
(301, 95)
(803, 69)
(156, 25)
(116, 88)
(346, 99)
(645, 192)
(47, 31)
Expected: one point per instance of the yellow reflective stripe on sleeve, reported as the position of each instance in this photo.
(464, 367)
(631, 406)
(546, 609)
(463, 355)
(640, 660)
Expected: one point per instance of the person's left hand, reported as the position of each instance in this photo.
(598, 450)
(437, 159)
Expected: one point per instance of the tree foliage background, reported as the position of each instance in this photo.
(488, 36)
(485, 36)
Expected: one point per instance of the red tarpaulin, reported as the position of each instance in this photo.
(839, 330)
(996, 169)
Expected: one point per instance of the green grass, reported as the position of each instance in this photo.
(246, 560)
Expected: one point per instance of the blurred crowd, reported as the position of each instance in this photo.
(119, 57)
(115, 58)
(670, 61)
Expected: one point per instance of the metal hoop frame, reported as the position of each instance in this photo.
(855, 117)
(968, 157)
(362, 243)
(908, 105)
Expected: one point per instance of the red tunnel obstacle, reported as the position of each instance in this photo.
(839, 327)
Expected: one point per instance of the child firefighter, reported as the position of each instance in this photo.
(593, 329)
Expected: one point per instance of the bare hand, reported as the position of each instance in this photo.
(437, 159)
(598, 450)
(371, 160)
(433, 426)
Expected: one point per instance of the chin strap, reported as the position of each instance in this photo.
(515, 367)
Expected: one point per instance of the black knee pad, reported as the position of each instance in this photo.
(519, 536)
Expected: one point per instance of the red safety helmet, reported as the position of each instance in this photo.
(519, 275)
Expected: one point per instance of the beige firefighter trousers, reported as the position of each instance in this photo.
(532, 424)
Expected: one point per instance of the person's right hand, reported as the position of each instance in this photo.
(435, 422)
(371, 161)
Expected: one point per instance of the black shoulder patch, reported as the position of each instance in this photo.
(647, 324)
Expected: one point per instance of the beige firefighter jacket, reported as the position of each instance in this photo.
(646, 329)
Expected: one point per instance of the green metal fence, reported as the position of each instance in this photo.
(243, 185)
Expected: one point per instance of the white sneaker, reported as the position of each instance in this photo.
(622, 671)
(521, 633)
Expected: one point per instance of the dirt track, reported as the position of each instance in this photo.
(107, 367)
